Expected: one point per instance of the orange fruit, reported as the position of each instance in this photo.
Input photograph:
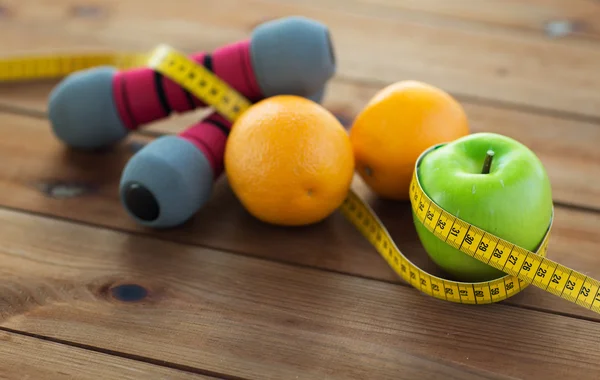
(289, 161)
(395, 127)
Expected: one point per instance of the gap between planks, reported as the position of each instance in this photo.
(184, 372)
(29, 356)
(216, 264)
(345, 97)
(471, 67)
(205, 375)
(401, 283)
(465, 99)
(13, 103)
(42, 166)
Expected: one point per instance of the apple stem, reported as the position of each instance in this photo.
(488, 162)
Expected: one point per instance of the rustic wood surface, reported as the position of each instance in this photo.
(226, 296)
(27, 357)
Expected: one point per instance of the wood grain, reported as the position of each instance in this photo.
(506, 65)
(542, 17)
(253, 318)
(567, 147)
(44, 177)
(26, 358)
(228, 295)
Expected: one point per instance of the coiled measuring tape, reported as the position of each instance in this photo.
(522, 267)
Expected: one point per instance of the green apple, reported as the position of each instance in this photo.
(490, 181)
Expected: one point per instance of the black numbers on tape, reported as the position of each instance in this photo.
(541, 272)
(585, 291)
(441, 224)
(429, 215)
(423, 282)
(498, 253)
(413, 275)
(478, 293)
(403, 268)
(463, 293)
(510, 285)
(598, 296)
(494, 291)
(483, 246)
(421, 206)
(454, 231)
(556, 278)
(469, 239)
(570, 285)
(435, 287)
(527, 266)
(512, 259)
(448, 291)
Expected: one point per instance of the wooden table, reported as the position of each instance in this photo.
(87, 294)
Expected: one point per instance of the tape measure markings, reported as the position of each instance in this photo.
(366, 221)
(193, 77)
(199, 81)
(55, 66)
(522, 267)
(531, 267)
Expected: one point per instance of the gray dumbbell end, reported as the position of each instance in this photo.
(82, 110)
(166, 182)
(292, 55)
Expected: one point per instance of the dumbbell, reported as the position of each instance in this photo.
(98, 107)
(170, 179)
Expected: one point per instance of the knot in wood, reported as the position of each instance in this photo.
(129, 292)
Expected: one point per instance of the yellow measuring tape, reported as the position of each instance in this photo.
(199, 81)
(522, 267)
(195, 78)
(49, 66)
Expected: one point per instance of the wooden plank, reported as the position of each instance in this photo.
(42, 177)
(551, 18)
(253, 318)
(511, 66)
(567, 147)
(23, 357)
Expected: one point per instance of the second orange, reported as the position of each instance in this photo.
(396, 126)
